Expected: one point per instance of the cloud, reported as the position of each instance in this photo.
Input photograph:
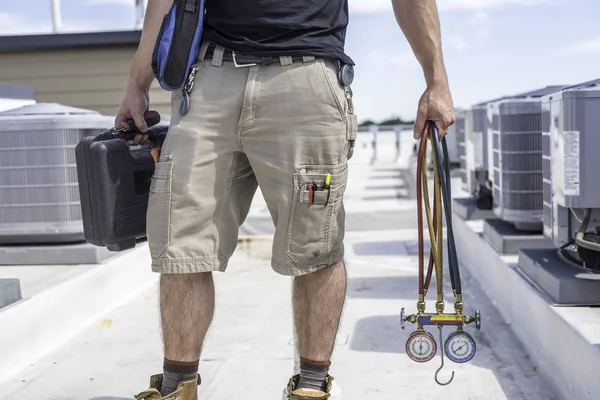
(369, 6)
(112, 2)
(404, 59)
(585, 47)
(487, 61)
(457, 42)
(450, 5)
(481, 22)
(18, 24)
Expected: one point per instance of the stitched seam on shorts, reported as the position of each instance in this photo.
(169, 213)
(256, 101)
(190, 265)
(328, 221)
(236, 180)
(169, 210)
(291, 218)
(318, 262)
(340, 108)
(332, 218)
(178, 260)
(226, 198)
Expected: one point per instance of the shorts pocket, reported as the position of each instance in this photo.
(335, 89)
(158, 220)
(317, 229)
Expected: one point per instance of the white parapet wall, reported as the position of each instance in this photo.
(38, 324)
(564, 342)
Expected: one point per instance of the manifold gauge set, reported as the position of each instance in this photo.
(421, 345)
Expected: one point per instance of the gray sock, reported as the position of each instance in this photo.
(313, 374)
(175, 372)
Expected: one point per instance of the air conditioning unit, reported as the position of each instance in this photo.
(452, 141)
(571, 163)
(515, 161)
(462, 151)
(476, 157)
(39, 195)
(452, 138)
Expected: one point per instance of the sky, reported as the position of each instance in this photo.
(491, 48)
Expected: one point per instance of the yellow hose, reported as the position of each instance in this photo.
(436, 243)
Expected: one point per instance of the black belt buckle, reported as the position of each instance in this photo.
(346, 74)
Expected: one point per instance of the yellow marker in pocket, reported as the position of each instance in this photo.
(326, 187)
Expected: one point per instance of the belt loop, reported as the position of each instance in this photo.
(286, 60)
(307, 59)
(203, 50)
(217, 58)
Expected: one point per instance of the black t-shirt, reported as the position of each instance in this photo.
(279, 27)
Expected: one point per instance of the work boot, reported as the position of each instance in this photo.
(332, 391)
(187, 390)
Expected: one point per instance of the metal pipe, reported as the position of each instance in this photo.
(56, 16)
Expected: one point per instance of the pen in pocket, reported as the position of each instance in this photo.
(327, 186)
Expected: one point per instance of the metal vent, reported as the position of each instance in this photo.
(452, 139)
(571, 160)
(516, 130)
(39, 195)
(476, 147)
(547, 126)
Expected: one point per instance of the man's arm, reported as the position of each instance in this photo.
(420, 23)
(136, 98)
(141, 69)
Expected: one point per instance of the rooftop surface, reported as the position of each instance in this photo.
(249, 352)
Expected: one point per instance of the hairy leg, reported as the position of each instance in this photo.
(318, 302)
(187, 303)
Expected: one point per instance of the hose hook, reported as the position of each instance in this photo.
(442, 366)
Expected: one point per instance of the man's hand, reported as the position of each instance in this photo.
(420, 23)
(135, 103)
(435, 105)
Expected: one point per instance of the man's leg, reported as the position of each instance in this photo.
(318, 301)
(186, 309)
(298, 135)
(201, 193)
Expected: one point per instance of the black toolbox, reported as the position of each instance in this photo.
(114, 179)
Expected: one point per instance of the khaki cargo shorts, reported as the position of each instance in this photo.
(283, 127)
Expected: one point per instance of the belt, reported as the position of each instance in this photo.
(219, 54)
(247, 60)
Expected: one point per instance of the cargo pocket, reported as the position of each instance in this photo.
(314, 229)
(158, 221)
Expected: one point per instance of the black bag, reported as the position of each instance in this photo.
(114, 180)
(178, 43)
